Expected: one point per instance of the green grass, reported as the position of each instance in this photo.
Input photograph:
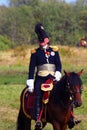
(19, 74)
(9, 105)
(13, 74)
(9, 95)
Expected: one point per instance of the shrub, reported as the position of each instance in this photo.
(5, 43)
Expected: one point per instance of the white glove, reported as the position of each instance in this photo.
(30, 84)
(58, 75)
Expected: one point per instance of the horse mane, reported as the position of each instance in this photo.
(59, 92)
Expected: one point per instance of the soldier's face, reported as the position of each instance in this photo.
(43, 44)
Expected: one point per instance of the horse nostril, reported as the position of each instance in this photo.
(77, 104)
(80, 104)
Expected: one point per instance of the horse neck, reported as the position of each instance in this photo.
(59, 95)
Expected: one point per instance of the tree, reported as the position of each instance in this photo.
(64, 23)
(23, 2)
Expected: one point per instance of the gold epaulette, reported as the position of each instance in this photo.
(55, 48)
(33, 51)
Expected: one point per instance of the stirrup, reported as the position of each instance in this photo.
(38, 124)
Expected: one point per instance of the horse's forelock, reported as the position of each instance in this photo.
(74, 79)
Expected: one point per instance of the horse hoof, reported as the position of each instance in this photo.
(77, 122)
(72, 123)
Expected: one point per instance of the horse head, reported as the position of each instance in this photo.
(74, 86)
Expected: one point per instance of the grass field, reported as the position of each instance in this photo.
(13, 75)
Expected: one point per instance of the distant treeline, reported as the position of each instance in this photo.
(64, 23)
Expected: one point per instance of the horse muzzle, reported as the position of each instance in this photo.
(77, 104)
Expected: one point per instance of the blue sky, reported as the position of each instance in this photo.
(5, 2)
(68, 1)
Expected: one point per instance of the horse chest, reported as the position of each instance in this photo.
(58, 113)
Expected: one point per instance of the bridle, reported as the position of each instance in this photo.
(68, 86)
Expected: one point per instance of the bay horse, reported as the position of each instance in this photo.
(65, 93)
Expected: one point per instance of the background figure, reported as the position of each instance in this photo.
(83, 41)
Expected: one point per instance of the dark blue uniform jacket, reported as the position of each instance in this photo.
(38, 58)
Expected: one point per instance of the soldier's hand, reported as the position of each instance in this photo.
(30, 85)
(58, 75)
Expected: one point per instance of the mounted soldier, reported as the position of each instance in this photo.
(47, 62)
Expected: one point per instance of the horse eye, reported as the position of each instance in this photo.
(71, 98)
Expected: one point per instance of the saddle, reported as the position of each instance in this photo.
(28, 98)
(27, 103)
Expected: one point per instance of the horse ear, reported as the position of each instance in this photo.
(66, 73)
(79, 73)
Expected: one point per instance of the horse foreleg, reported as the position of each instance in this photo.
(56, 125)
(27, 124)
(44, 124)
(64, 127)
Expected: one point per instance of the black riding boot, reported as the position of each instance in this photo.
(37, 111)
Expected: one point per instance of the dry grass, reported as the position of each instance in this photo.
(6, 111)
(73, 55)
